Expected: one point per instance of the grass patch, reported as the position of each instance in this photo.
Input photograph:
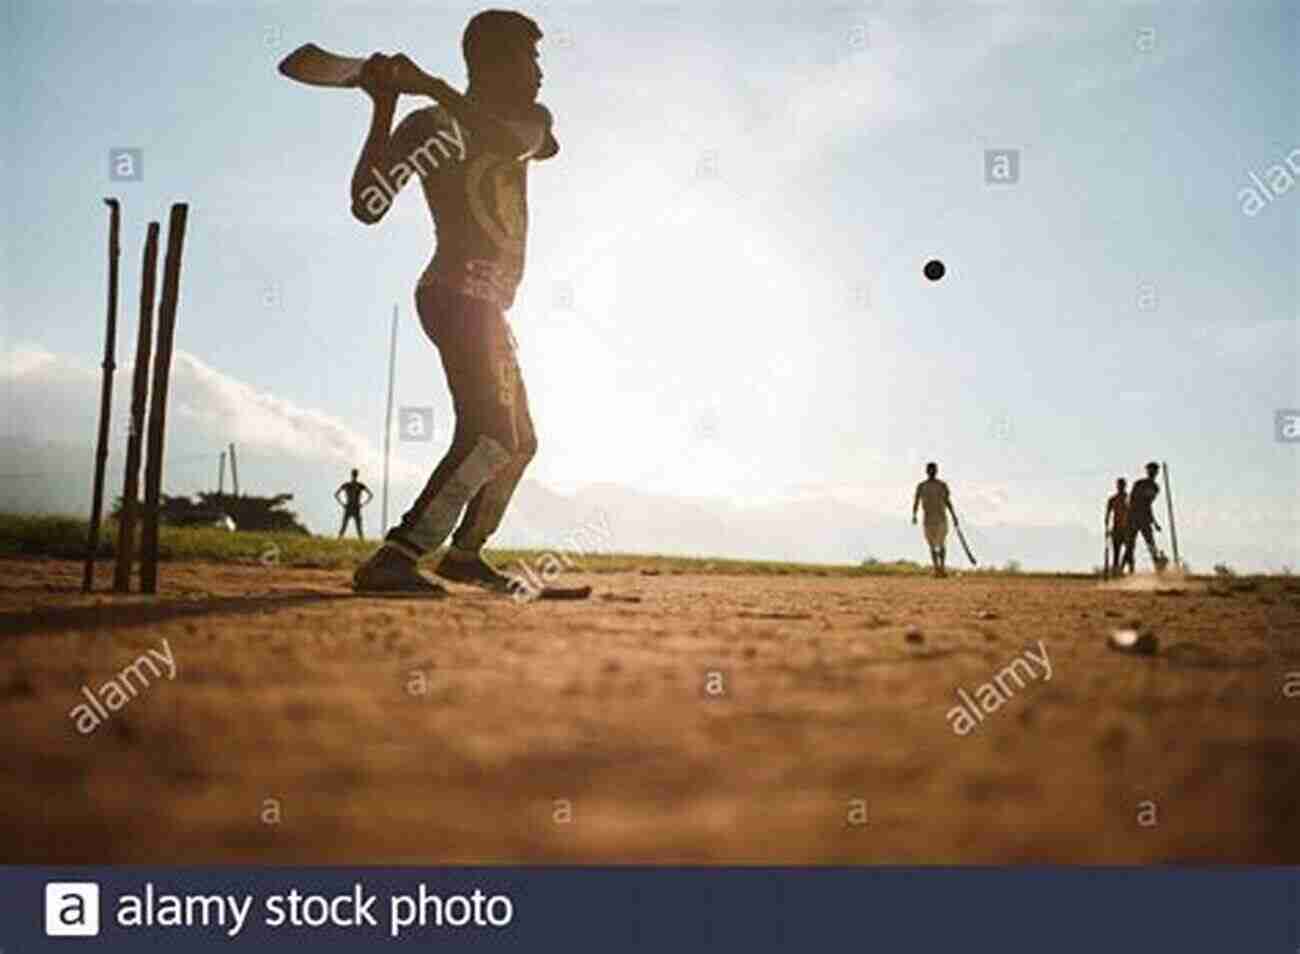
(65, 538)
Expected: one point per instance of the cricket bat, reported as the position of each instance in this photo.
(964, 545)
(317, 67)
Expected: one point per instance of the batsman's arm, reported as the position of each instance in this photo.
(522, 139)
(550, 147)
(373, 155)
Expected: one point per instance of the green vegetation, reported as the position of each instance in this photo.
(263, 514)
(65, 538)
(41, 535)
(873, 567)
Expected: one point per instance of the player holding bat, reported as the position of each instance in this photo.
(470, 153)
(935, 500)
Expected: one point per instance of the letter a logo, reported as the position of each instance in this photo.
(71, 909)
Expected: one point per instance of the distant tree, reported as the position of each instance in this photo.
(267, 514)
(256, 513)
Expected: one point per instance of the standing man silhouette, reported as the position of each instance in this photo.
(471, 154)
(933, 497)
(1116, 519)
(1142, 518)
(352, 503)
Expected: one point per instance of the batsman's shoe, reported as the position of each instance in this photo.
(475, 571)
(387, 571)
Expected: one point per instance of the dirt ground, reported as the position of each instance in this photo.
(671, 718)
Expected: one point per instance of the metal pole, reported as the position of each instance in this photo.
(221, 475)
(1105, 551)
(139, 398)
(1169, 502)
(105, 397)
(388, 414)
(158, 405)
(234, 470)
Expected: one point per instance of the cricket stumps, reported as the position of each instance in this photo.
(162, 362)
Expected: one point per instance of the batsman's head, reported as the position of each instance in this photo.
(500, 48)
(1152, 469)
(931, 469)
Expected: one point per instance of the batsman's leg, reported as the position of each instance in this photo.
(484, 513)
(465, 331)
(1150, 539)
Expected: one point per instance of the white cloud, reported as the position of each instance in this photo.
(1256, 339)
(48, 395)
(220, 404)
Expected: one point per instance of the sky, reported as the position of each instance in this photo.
(724, 297)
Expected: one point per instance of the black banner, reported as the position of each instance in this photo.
(615, 910)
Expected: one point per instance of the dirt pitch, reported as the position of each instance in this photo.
(672, 718)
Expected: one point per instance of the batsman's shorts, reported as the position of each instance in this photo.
(1144, 530)
(936, 532)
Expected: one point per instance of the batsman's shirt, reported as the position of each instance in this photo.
(1140, 500)
(1119, 511)
(934, 501)
(479, 203)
